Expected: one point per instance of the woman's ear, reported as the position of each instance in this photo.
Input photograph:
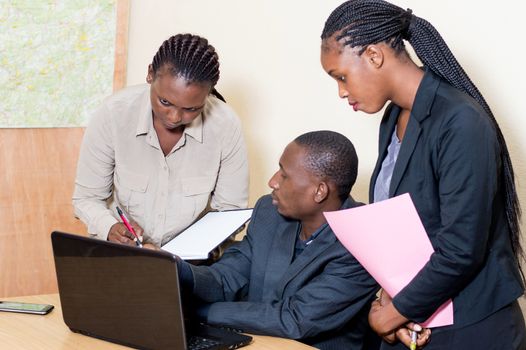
(150, 74)
(374, 55)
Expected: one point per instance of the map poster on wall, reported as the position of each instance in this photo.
(57, 60)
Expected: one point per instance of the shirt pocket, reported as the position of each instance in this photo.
(197, 190)
(131, 191)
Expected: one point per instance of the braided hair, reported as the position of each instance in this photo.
(366, 22)
(331, 155)
(190, 57)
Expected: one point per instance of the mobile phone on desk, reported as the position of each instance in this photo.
(25, 308)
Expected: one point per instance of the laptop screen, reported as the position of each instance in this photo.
(119, 293)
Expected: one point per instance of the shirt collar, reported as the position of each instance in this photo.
(316, 234)
(195, 128)
(145, 124)
(313, 236)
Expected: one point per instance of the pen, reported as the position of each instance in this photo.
(412, 346)
(129, 227)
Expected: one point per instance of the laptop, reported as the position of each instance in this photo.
(128, 295)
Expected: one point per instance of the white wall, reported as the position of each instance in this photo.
(271, 75)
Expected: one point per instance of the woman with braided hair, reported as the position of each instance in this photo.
(440, 142)
(164, 151)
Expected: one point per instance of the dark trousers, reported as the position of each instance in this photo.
(503, 330)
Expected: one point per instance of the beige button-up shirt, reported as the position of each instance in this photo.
(121, 163)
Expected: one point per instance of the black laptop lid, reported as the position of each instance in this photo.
(119, 293)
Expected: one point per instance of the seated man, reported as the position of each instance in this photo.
(290, 276)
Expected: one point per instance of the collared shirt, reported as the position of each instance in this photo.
(383, 181)
(300, 245)
(121, 163)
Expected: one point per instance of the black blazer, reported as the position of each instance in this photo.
(321, 298)
(450, 163)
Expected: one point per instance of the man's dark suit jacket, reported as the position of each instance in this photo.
(449, 162)
(321, 298)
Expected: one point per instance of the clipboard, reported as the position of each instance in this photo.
(200, 238)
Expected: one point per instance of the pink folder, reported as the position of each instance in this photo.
(390, 242)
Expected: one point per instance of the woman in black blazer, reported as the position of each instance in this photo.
(439, 142)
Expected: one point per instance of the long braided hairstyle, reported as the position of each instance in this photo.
(365, 22)
(190, 57)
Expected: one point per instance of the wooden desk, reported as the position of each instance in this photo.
(24, 331)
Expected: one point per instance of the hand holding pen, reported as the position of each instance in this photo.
(412, 345)
(127, 232)
(414, 336)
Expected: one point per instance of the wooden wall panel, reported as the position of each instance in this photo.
(38, 173)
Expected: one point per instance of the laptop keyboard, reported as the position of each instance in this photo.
(200, 343)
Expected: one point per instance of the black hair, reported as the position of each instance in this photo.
(191, 57)
(359, 23)
(332, 156)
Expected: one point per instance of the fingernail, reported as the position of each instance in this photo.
(417, 328)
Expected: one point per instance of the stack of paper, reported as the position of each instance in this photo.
(390, 242)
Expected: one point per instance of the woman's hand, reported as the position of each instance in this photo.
(403, 334)
(151, 246)
(392, 326)
(120, 234)
(383, 316)
(376, 306)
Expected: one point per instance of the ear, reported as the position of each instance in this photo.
(322, 192)
(374, 55)
(150, 75)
